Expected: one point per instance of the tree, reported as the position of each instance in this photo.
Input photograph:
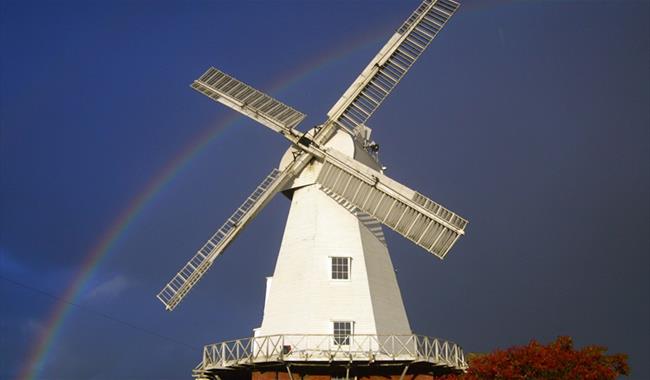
(557, 360)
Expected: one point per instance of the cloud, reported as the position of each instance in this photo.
(109, 289)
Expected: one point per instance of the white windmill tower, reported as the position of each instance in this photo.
(333, 306)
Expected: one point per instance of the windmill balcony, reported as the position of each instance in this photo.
(295, 350)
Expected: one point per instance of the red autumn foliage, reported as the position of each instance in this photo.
(557, 360)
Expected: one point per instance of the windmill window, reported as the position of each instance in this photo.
(342, 332)
(340, 268)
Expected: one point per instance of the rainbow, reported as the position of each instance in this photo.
(38, 355)
(44, 343)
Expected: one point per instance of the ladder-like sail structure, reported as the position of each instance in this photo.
(392, 62)
(243, 98)
(358, 187)
(409, 213)
(174, 292)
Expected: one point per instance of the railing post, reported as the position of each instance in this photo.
(426, 347)
(350, 343)
(281, 347)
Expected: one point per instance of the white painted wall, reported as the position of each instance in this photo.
(303, 299)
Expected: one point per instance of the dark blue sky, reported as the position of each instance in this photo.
(530, 118)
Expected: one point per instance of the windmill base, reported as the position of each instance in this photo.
(332, 371)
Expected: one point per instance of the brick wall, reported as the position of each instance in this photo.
(283, 375)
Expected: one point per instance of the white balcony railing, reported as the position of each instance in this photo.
(314, 348)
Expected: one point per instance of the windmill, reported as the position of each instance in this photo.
(333, 301)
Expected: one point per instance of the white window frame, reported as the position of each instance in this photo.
(348, 264)
(340, 339)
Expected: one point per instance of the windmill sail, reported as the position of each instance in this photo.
(406, 211)
(174, 292)
(409, 213)
(392, 62)
(243, 98)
